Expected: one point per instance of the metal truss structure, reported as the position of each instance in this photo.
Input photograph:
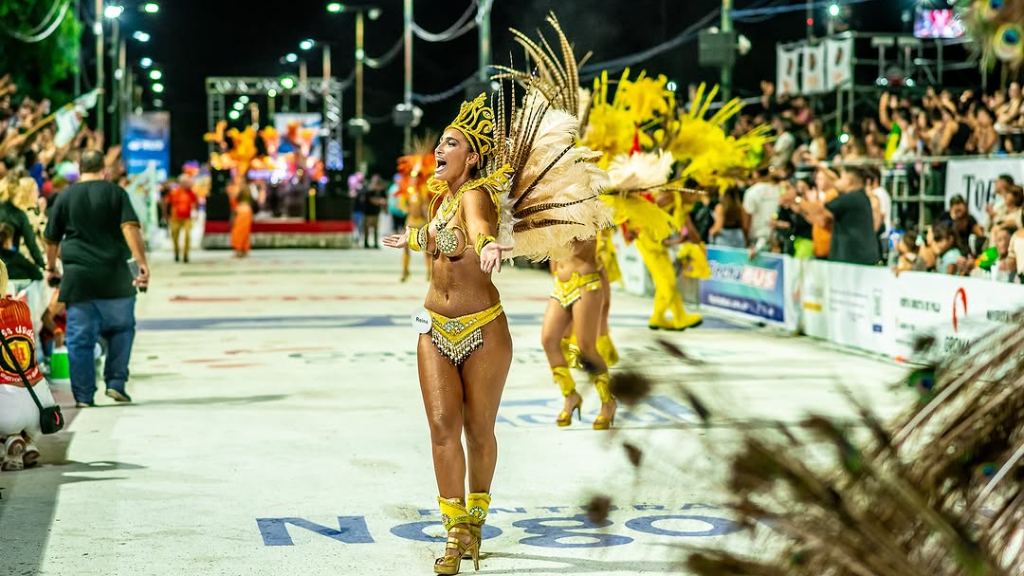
(218, 88)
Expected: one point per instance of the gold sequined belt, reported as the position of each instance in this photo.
(569, 292)
(457, 338)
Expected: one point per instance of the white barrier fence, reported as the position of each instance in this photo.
(863, 307)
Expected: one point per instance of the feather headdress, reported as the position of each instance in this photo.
(553, 194)
(997, 27)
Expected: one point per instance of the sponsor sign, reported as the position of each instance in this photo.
(975, 181)
(849, 305)
(752, 289)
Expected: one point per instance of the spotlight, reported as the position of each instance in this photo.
(910, 82)
(287, 82)
(671, 86)
(307, 44)
(141, 36)
(239, 106)
(155, 74)
(374, 13)
(844, 138)
(113, 11)
(833, 10)
(151, 8)
(335, 7)
(291, 58)
(146, 62)
(243, 99)
(272, 93)
(158, 88)
(234, 115)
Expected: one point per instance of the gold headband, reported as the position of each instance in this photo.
(476, 122)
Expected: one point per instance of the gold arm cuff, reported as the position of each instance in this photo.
(418, 238)
(481, 241)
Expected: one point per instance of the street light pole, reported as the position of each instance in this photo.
(407, 95)
(303, 86)
(483, 21)
(727, 68)
(100, 55)
(115, 83)
(123, 87)
(360, 56)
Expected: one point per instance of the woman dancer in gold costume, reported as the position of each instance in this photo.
(515, 185)
(578, 301)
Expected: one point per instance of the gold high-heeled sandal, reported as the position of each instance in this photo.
(478, 504)
(565, 382)
(453, 516)
(601, 383)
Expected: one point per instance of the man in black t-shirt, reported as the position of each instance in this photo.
(848, 216)
(97, 231)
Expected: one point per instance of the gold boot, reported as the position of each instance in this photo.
(565, 382)
(478, 504)
(571, 352)
(601, 384)
(453, 515)
(607, 350)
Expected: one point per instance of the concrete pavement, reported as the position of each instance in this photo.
(278, 429)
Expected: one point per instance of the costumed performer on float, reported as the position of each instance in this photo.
(578, 298)
(415, 170)
(515, 186)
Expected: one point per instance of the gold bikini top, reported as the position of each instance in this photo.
(447, 238)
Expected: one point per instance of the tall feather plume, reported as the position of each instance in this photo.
(556, 184)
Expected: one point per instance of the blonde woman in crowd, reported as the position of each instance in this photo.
(26, 199)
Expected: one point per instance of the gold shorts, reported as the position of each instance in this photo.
(569, 292)
(457, 338)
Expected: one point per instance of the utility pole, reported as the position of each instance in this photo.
(407, 97)
(115, 84)
(122, 89)
(100, 55)
(483, 21)
(303, 85)
(360, 56)
(727, 68)
(810, 20)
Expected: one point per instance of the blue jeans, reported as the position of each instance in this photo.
(114, 320)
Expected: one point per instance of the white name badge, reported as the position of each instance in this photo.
(421, 321)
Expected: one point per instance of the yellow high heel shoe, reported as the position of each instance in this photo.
(478, 504)
(601, 384)
(568, 387)
(453, 516)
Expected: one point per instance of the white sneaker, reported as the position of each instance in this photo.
(14, 450)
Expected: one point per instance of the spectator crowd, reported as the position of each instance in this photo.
(816, 196)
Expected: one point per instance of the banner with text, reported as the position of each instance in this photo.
(752, 289)
(147, 143)
(975, 181)
(849, 305)
(955, 310)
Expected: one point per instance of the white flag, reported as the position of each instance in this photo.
(787, 71)
(840, 63)
(814, 69)
(69, 118)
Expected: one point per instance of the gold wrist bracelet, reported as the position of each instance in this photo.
(418, 238)
(481, 241)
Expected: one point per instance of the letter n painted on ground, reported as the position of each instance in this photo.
(351, 530)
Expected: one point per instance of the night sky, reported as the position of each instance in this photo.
(193, 39)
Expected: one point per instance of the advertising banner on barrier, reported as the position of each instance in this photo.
(975, 181)
(953, 309)
(849, 305)
(752, 289)
(147, 142)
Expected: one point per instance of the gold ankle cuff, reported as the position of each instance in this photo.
(453, 512)
(564, 380)
(601, 384)
(478, 504)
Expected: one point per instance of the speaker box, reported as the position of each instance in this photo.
(219, 180)
(716, 49)
(332, 208)
(337, 184)
(218, 207)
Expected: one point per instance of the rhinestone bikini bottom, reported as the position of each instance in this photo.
(457, 338)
